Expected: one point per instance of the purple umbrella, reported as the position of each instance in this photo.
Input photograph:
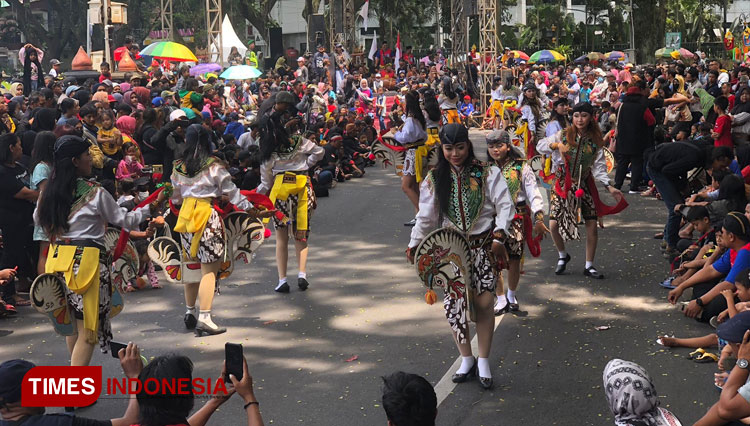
(204, 68)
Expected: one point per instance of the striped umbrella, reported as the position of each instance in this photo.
(615, 55)
(520, 55)
(169, 50)
(545, 57)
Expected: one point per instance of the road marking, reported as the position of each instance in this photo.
(445, 386)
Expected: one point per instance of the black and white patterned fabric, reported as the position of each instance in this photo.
(213, 242)
(289, 208)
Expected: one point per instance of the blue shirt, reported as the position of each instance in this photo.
(585, 95)
(734, 166)
(724, 265)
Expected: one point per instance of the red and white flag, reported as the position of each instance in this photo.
(364, 12)
(397, 59)
(373, 46)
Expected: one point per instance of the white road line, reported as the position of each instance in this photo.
(445, 386)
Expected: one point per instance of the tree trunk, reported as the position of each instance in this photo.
(651, 14)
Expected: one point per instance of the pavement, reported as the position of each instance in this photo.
(317, 357)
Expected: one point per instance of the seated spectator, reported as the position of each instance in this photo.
(632, 397)
(409, 400)
(130, 166)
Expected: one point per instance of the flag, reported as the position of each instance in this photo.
(373, 47)
(398, 52)
(364, 12)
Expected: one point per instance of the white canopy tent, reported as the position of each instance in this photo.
(228, 39)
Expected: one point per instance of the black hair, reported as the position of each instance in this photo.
(6, 141)
(448, 88)
(719, 174)
(197, 148)
(697, 213)
(126, 185)
(442, 172)
(67, 104)
(413, 109)
(720, 152)
(44, 149)
(431, 106)
(722, 102)
(88, 109)
(743, 278)
(732, 188)
(163, 408)
(122, 107)
(409, 400)
(56, 200)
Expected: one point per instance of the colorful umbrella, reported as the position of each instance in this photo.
(205, 68)
(517, 54)
(596, 56)
(545, 57)
(681, 53)
(240, 72)
(615, 55)
(169, 50)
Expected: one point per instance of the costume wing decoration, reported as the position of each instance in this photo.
(166, 253)
(390, 152)
(125, 268)
(610, 159)
(244, 235)
(48, 296)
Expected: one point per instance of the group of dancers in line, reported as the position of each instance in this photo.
(498, 207)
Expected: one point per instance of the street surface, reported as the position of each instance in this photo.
(317, 357)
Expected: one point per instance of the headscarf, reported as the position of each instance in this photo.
(144, 95)
(740, 106)
(126, 125)
(631, 394)
(681, 86)
(124, 87)
(14, 88)
(102, 97)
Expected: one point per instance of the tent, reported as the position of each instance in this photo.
(229, 39)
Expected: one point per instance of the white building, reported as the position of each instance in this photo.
(574, 7)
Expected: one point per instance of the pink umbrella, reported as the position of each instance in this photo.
(684, 53)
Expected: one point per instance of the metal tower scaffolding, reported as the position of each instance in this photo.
(213, 26)
(487, 10)
(166, 18)
(458, 32)
(349, 25)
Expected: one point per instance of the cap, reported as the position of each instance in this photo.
(71, 89)
(300, 59)
(111, 99)
(108, 82)
(467, 98)
(157, 101)
(628, 65)
(733, 330)
(453, 133)
(506, 48)
(177, 114)
(285, 98)
(11, 376)
(54, 62)
(378, 75)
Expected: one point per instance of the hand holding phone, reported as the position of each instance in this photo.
(114, 348)
(234, 360)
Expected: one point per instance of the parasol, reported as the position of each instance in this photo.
(169, 50)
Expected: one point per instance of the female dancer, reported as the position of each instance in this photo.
(448, 101)
(578, 158)
(559, 118)
(287, 157)
(412, 133)
(198, 178)
(74, 214)
(462, 193)
(531, 111)
(526, 196)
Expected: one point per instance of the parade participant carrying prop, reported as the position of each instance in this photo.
(578, 156)
(286, 158)
(47, 295)
(470, 205)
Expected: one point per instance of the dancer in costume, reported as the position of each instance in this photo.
(578, 159)
(526, 197)
(431, 113)
(448, 101)
(531, 111)
(411, 135)
(198, 178)
(74, 213)
(287, 158)
(463, 194)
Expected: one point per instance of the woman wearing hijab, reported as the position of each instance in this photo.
(741, 118)
(31, 58)
(632, 397)
(126, 125)
(16, 89)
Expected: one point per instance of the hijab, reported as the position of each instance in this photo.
(740, 106)
(126, 125)
(631, 396)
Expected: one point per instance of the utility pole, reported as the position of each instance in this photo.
(105, 26)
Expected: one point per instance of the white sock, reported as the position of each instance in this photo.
(483, 364)
(512, 296)
(467, 363)
(282, 281)
(302, 275)
(501, 303)
(561, 256)
(589, 264)
(205, 318)
(190, 310)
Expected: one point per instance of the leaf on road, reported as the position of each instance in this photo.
(353, 358)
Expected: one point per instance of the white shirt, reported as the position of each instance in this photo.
(598, 169)
(90, 221)
(307, 155)
(446, 103)
(211, 182)
(410, 132)
(529, 191)
(246, 140)
(497, 94)
(495, 214)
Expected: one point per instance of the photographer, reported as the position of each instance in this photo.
(172, 138)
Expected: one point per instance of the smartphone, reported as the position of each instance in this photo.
(114, 348)
(234, 359)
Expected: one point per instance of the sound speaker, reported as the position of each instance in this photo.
(317, 31)
(276, 44)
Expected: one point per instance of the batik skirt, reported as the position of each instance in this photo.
(289, 208)
(565, 211)
(212, 245)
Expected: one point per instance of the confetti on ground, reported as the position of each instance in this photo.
(353, 358)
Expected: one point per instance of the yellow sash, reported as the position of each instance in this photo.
(286, 184)
(85, 282)
(193, 217)
(422, 151)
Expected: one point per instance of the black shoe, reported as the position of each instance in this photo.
(513, 307)
(485, 382)
(461, 377)
(561, 268)
(411, 222)
(282, 288)
(190, 321)
(302, 284)
(202, 328)
(593, 273)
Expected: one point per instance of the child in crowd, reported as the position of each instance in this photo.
(129, 166)
(146, 267)
(466, 109)
(109, 138)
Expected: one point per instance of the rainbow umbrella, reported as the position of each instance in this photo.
(169, 50)
(545, 57)
(517, 54)
(240, 72)
(615, 55)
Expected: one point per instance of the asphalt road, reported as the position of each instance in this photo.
(317, 357)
